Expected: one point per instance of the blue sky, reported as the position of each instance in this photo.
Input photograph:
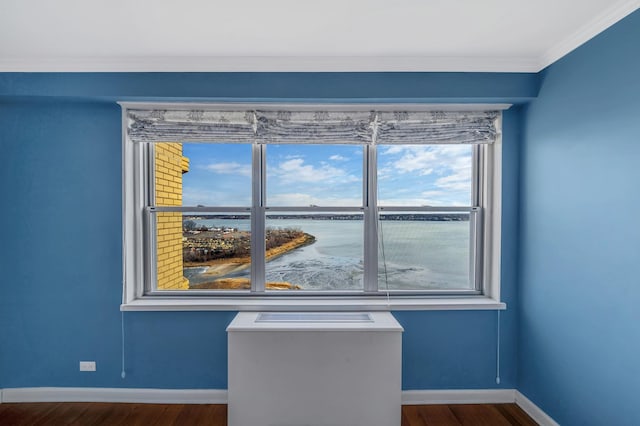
(328, 175)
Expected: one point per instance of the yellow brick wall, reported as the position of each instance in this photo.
(169, 167)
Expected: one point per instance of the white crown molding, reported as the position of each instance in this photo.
(535, 412)
(591, 29)
(125, 395)
(271, 64)
(458, 396)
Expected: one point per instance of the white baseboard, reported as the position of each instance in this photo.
(219, 396)
(458, 396)
(535, 412)
(151, 396)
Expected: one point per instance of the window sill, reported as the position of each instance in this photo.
(473, 303)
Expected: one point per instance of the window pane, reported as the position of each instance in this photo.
(424, 175)
(424, 251)
(314, 251)
(193, 174)
(203, 251)
(314, 175)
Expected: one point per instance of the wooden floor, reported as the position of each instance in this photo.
(465, 414)
(109, 414)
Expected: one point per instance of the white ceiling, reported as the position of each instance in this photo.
(298, 35)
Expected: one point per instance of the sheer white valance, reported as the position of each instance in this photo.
(340, 127)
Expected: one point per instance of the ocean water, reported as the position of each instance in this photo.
(413, 255)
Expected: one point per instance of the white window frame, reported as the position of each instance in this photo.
(137, 253)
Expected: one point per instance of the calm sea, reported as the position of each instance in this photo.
(413, 254)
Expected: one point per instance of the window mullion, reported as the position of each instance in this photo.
(149, 283)
(476, 183)
(370, 221)
(477, 257)
(478, 201)
(258, 233)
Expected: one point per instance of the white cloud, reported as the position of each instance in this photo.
(433, 198)
(296, 170)
(232, 168)
(433, 194)
(413, 159)
(208, 197)
(441, 173)
(393, 149)
(427, 159)
(458, 176)
(304, 200)
(442, 198)
(460, 180)
(385, 172)
(338, 158)
(405, 202)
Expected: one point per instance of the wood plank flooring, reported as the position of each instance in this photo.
(465, 414)
(109, 414)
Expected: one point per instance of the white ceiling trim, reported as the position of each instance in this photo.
(591, 29)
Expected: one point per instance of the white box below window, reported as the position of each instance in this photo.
(310, 368)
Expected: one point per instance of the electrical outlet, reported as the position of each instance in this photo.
(87, 366)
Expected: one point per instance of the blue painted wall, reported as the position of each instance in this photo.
(579, 292)
(60, 257)
(323, 87)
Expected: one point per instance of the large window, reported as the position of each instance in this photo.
(291, 212)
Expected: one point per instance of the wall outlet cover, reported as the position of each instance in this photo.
(87, 366)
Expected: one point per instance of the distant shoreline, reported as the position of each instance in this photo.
(418, 217)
